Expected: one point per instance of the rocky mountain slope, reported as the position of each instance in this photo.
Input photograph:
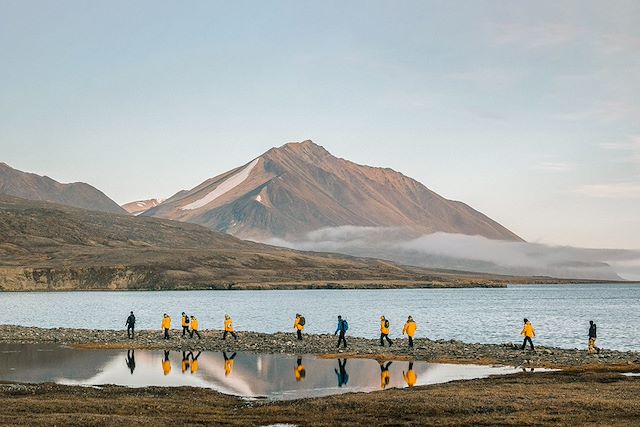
(46, 246)
(140, 206)
(300, 187)
(35, 187)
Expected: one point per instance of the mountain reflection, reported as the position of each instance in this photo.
(242, 374)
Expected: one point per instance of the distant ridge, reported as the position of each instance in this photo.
(300, 187)
(31, 186)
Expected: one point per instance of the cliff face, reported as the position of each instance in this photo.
(300, 187)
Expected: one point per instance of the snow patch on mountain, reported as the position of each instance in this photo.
(226, 186)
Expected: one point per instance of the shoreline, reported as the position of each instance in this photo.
(323, 345)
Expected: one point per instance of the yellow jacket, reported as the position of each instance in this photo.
(410, 329)
(297, 325)
(185, 321)
(298, 370)
(383, 328)
(228, 367)
(228, 325)
(166, 367)
(194, 366)
(185, 366)
(528, 330)
(410, 378)
(194, 324)
(385, 378)
(166, 322)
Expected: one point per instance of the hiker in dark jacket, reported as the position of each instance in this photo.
(593, 335)
(130, 324)
(342, 328)
(343, 376)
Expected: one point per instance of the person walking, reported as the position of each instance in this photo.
(410, 329)
(529, 333)
(298, 325)
(384, 331)
(593, 335)
(385, 375)
(166, 325)
(131, 325)
(228, 328)
(131, 360)
(194, 327)
(343, 376)
(185, 324)
(410, 376)
(342, 328)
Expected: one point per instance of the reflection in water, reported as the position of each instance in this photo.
(131, 360)
(410, 376)
(341, 372)
(385, 375)
(228, 363)
(242, 374)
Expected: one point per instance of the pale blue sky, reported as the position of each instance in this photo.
(528, 111)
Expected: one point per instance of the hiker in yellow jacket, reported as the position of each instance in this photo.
(228, 363)
(228, 328)
(385, 376)
(410, 329)
(185, 324)
(194, 327)
(166, 325)
(298, 325)
(410, 376)
(384, 331)
(194, 362)
(185, 362)
(166, 364)
(528, 332)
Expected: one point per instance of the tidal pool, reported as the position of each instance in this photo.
(249, 375)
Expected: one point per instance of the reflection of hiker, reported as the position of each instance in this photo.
(166, 364)
(592, 338)
(410, 376)
(228, 328)
(299, 370)
(194, 327)
(528, 333)
(385, 376)
(298, 325)
(185, 362)
(131, 360)
(410, 329)
(194, 362)
(166, 325)
(342, 328)
(130, 324)
(343, 376)
(384, 331)
(185, 324)
(228, 363)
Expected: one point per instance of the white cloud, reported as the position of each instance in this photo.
(618, 190)
(554, 167)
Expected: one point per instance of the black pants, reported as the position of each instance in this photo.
(166, 334)
(410, 342)
(130, 332)
(383, 337)
(195, 332)
(233, 334)
(524, 344)
(342, 339)
(185, 330)
(299, 333)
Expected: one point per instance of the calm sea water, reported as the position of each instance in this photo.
(273, 376)
(560, 313)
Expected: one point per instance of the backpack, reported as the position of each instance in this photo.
(386, 323)
(302, 321)
(345, 325)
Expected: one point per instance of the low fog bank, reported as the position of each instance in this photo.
(471, 253)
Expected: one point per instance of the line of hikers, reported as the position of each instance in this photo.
(190, 327)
